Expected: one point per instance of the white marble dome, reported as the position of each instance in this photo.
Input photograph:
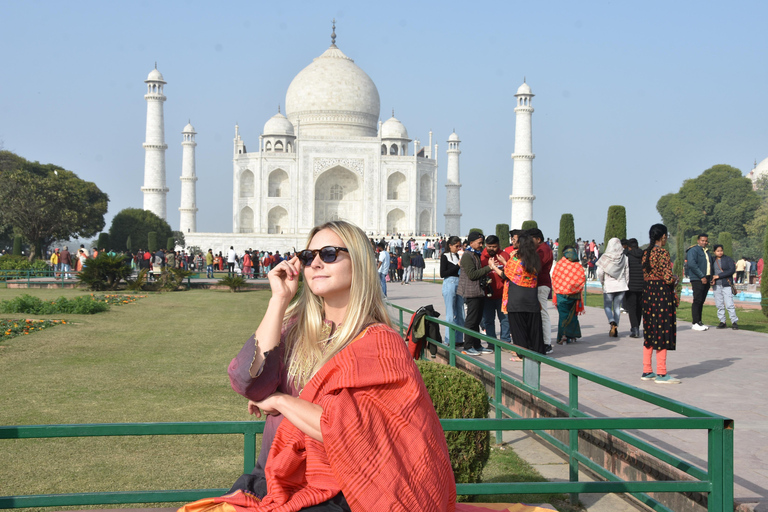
(155, 76)
(759, 171)
(189, 129)
(333, 97)
(278, 125)
(393, 129)
(453, 138)
(524, 89)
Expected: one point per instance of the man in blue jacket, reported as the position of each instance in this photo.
(700, 272)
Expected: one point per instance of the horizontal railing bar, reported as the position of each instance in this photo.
(107, 498)
(584, 487)
(131, 429)
(650, 423)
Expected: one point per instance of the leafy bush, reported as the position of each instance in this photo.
(170, 244)
(529, 224)
(172, 278)
(34, 306)
(234, 282)
(139, 283)
(105, 272)
(17, 245)
(152, 242)
(502, 231)
(103, 241)
(39, 267)
(456, 394)
(476, 229)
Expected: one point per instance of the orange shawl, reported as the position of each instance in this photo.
(383, 444)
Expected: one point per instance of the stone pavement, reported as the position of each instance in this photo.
(720, 371)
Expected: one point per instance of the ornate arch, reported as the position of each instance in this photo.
(277, 184)
(397, 188)
(245, 220)
(396, 221)
(338, 196)
(425, 188)
(277, 220)
(246, 184)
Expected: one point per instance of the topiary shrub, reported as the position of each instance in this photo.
(529, 224)
(152, 242)
(502, 231)
(129, 244)
(105, 272)
(567, 232)
(726, 241)
(476, 229)
(170, 244)
(17, 245)
(456, 394)
(616, 225)
(103, 241)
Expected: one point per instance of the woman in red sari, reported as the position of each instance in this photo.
(350, 425)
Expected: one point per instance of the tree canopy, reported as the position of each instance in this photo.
(45, 202)
(137, 224)
(720, 199)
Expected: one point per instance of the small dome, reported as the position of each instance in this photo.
(189, 129)
(393, 129)
(759, 171)
(453, 138)
(524, 89)
(278, 125)
(155, 76)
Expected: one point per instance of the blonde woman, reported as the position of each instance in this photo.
(360, 425)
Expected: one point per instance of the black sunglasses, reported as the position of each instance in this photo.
(328, 254)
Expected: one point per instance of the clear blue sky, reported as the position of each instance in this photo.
(632, 98)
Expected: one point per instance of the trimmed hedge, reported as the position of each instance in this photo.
(170, 244)
(103, 241)
(17, 245)
(616, 225)
(83, 305)
(726, 241)
(152, 242)
(529, 224)
(476, 229)
(456, 394)
(21, 263)
(502, 231)
(567, 232)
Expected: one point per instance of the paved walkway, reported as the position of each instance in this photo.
(722, 371)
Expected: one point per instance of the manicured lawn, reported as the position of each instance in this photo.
(749, 319)
(163, 358)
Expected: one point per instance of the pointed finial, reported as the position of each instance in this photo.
(278, 108)
(523, 79)
(333, 34)
(393, 112)
(155, 64)
(189, 120)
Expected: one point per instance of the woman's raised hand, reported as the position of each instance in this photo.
(284, 279)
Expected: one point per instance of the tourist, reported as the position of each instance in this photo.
(568, 281)
(55, 263)
(492, 303)
(700, 272)
(454, 303)
(364, 421)
(544, 284)
(405, 260)
(613, 274)
(470, 289)
(741, 265)
(382, 264)
(521, 297)
(633, 297)
(209, 261)
(722, 283)
(247, 264)
(231, 259)
(417, 265)
(659, 307)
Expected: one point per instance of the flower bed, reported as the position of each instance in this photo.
(83, 305)
(12, 328)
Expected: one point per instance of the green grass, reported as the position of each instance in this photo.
(749, 319)
(505, 465)
(161, 359)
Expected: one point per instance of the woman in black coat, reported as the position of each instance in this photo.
(633, 298)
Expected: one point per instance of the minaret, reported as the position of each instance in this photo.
(188, 210)
(452, 204)
(522, 171)
(154, 188)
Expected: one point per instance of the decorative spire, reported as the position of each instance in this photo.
(523, 78)
(278, 108)
(333, 34)
(155, 64)
(393, 112)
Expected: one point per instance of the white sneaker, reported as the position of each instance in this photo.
(699, 327)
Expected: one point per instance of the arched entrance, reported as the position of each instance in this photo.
(246, 220)
(395, 221)
(338, 196)
(277, 220)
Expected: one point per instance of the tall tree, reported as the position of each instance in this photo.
(567, 232)
(137, 224)
(720, 199)
(45, 203)
(616, 224)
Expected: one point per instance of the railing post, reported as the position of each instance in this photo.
(402, 332)
(451, 353)
(573, 434)
(715, 469)
(497, 387)
(728, 464)
(249, 450)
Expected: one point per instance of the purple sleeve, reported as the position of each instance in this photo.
(246, 380)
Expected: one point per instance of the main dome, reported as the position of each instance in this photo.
(333, 97)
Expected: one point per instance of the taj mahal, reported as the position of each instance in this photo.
(328, 157)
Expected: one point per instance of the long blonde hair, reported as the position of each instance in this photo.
(308, 347)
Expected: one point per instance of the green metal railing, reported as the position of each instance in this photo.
(59, 278)
(716, 481)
